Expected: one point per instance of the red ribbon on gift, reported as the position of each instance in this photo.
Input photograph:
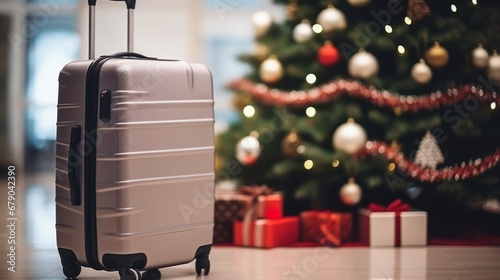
(396, 206)
(250, 210)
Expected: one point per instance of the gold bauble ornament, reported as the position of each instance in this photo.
(262, 22)
(261, 51)
(240, 101)
(270, 70)
(437, 56)
(290, 144)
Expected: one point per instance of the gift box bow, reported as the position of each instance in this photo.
(396, 206)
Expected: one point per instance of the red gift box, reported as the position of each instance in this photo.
(261, 201)
(266, 233)
(326, 227)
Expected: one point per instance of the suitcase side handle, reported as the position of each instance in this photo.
(130, 26)
(74, 162)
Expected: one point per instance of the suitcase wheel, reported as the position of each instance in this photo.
(71, 268)
(202, 263)
(128, 273)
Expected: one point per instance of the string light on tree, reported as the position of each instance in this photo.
(308, 164)
(311, 112)
(388, 29)
(328, 55)
(271, 70)
(249, 111)
(248, 150)
(350, 193)
(363, 65)
(437, 56)
(401, 50)
(421, 73)
(349, 137)
(311, 78)
(480, 57)
(262, 22)
(317, 28)
(302, 32)
(332, 19)
(428, 154)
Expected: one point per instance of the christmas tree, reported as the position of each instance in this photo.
(342, 92)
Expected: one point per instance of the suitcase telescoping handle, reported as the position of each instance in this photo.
(130, 20)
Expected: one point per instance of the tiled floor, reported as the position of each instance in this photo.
(36, 257)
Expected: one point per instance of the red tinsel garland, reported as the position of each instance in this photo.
(464, 171)
(382, 98)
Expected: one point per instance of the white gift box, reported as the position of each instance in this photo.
(379, 229)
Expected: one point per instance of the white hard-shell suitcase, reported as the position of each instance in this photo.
(134, 163)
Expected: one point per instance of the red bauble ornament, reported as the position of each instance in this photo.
(328, 55)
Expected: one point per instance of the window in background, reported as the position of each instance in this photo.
(54, 42)
(5, 25)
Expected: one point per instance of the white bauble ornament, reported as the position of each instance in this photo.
(363, 65)
(262, 22)
(480, 57)
(358, 3)
(270, 70)
(349, 137)
(421, 73)
(331, 19)
(494, 67)
(302, 32)
(248, 150)
(350, 193)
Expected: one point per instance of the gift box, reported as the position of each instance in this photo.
(325, 227)
(260, 200)
(266, 233)
(394, 225)
(223, 232)
(253, 202)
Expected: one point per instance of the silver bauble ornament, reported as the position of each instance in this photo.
(480, 57)
(494, 67)
(262, 22)
(349, 137)
(302, 32)
(358, 3)
(270, 70)
(248, 150)
(350, 193)
(331, 19)
(363, 65)
(421, 73)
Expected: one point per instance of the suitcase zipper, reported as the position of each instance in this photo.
(91, 104)
(91, 117)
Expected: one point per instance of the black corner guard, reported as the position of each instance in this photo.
(203, 251)
(114, 261)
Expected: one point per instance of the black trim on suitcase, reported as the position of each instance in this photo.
(91, 103)
(91, 117)
(115, 261)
